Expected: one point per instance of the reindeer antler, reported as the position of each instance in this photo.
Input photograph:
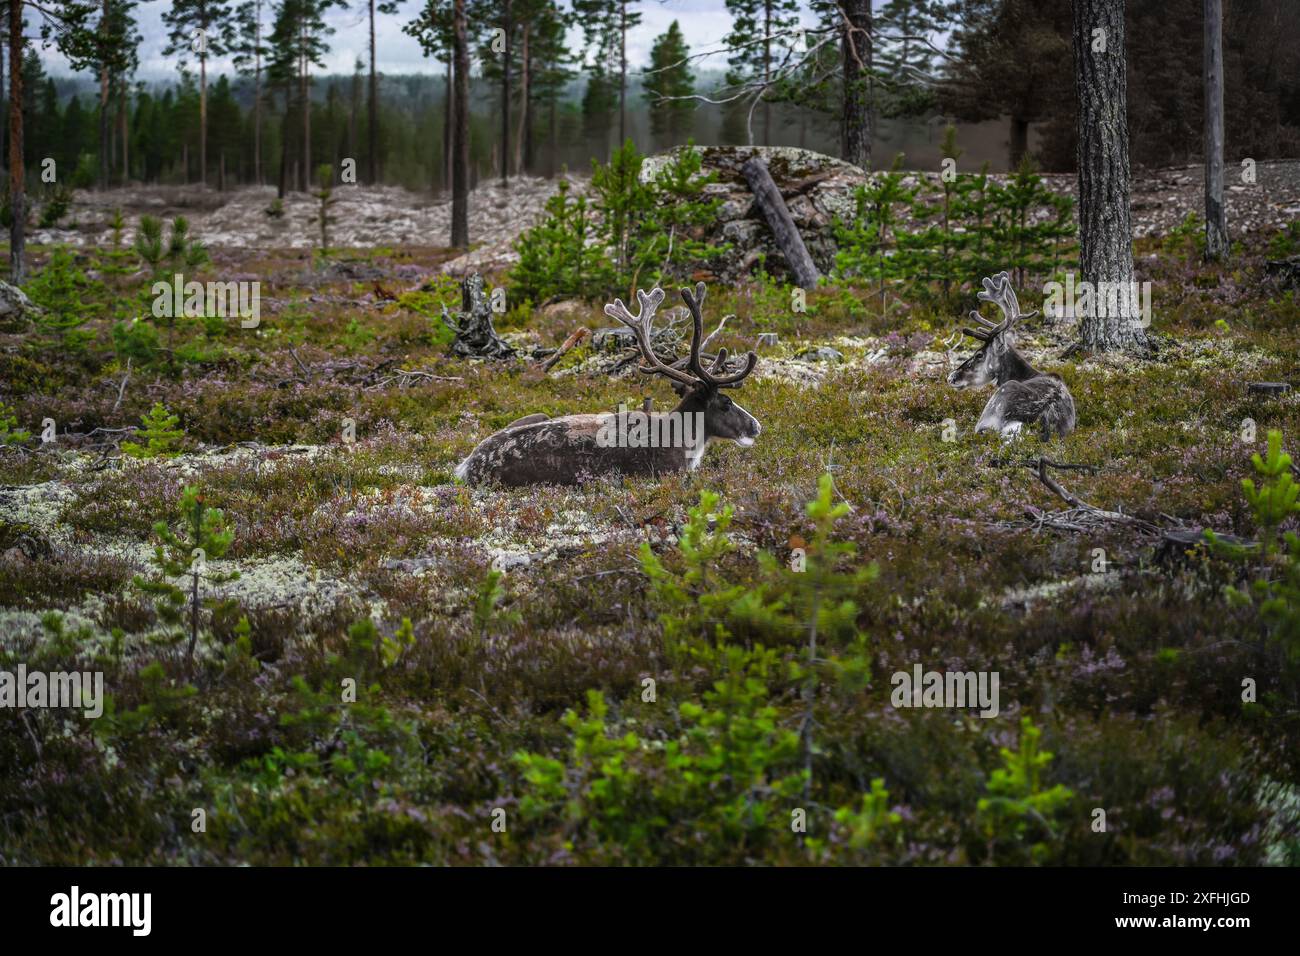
(998, 290)
(640, 325)
(694, 302)
(689, 371)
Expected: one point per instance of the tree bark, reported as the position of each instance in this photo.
(257, 99)
(767, 71)
(1019, 140)
(1216, 217)
(524, 136)
(505, 99)
(777, 214)
(622, 73)
(203, 116)
(104, 153)
(306, 119)
(855, 119)
(447, 130)
(460, 155)
(372, 165)
(1105, 219)
(17, 197)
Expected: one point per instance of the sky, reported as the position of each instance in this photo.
(704, 22)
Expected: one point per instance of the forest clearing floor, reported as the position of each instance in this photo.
(335, 475)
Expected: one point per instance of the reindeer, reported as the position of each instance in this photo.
(1024, 396)
(569, 450)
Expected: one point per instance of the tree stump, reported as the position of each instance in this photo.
(475, 335)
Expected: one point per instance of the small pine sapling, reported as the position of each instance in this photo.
(161, 436)
(325, 196)
(10, 433)
(202, 536)
(1017, 803)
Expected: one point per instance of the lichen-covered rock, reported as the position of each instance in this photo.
(16, 310)
(818, 189)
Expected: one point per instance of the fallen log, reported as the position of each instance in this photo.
(578, 335)
(777, 215)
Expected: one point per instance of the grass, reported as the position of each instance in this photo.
(1134, 676)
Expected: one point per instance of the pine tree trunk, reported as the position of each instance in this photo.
(17, 197)
(257, 101)
(103, 101)
(767, 71)
(124, 130)
(524, 137)
(855, 121)
(372, 168)
(622, 73)
(1019, 140)
(283, 185)
(306, 127)
(447, 132)
(505, 99)
(460, 163)
(1216, 216)
(554, 151)
(203, 118)
(1105, 223)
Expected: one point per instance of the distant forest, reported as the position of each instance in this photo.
(540, 106)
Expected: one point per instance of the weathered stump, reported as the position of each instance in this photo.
(472, 325)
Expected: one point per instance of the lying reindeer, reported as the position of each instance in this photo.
(572, 449)
(1025, 396)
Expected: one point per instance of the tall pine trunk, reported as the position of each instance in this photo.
(104, 151)
(524, 137)
(372, 164)
(17, 197)
(1216, 216)
(447, 133)
(767, 71)
(257, 100)
(1105, 219)
(203, 116)
(622, 73)
(460, 155)
(855, 121)
(505, 98)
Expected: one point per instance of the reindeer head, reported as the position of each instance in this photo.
(699, 387)
(998, 338)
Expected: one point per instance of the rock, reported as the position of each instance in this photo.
(1269, 388)
(16, 310)
(822, 353)
(611, 340)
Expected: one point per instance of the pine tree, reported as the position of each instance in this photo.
(65, 23)
(605, 24)
(250, 51)
(667, 85)
(201, 28)
(751, 20)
